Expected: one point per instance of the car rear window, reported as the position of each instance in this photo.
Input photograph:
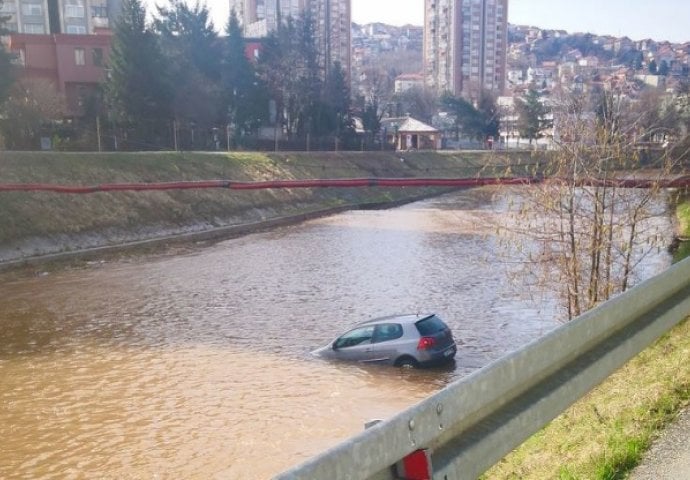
(430, 326)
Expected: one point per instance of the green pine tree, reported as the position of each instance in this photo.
(337, 100)
(314, 116)
(489, 115)
(188, 33)
(652, 67)
(371, 116)
(531, 116)
(139, 91)
(246, 101)
(190, 44)
(468, 120)
(664, 68)
(6, 70)
(290, 69)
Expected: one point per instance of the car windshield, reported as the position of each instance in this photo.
(430, 325)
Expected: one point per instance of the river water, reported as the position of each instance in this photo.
(195, 363)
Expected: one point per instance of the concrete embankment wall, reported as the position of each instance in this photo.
(36, 225)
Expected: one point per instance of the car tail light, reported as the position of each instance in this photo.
(426, 343)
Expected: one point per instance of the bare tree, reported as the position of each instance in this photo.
(418, 102)
(376, 85)
(586, 231)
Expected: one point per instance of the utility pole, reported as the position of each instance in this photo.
(175, 133)
(98, 132)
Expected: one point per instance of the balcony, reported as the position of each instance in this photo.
(100, 22)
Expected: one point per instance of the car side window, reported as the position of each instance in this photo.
(354, 337)
(386, 332)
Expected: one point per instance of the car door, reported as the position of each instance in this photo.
(355, 345)
(386, 342)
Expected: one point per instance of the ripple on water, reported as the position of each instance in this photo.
(188, 413)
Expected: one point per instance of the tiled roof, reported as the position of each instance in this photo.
(412, 125)
(407, 124)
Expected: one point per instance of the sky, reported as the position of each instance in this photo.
(637, 19)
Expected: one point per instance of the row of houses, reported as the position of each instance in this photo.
(541, 57)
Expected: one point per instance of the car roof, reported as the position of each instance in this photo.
(403, 319)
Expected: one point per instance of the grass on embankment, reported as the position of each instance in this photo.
(39, 223)
(683, 219)
(683, 214)
(604, 435)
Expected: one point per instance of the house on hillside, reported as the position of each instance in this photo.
(408, 81)
(623, 44)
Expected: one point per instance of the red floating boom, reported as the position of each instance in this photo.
(676, 182)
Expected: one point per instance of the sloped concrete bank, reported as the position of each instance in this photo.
(44, 226)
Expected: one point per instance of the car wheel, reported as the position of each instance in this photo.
(406, 362)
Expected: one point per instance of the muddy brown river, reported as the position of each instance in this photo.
(195, 363)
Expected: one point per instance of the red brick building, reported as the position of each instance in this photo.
(74, 64)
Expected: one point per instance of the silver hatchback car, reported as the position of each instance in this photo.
(400, 340)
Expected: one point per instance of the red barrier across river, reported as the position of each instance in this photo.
(674, 182)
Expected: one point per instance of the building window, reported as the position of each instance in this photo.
(76, 29)
(97, 57)
(74, 9)
(32, 9)
(8, 7)
(12, 27)
(34, 28)
(99, 11)
(79, 57)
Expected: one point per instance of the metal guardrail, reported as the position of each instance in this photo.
(474, 422)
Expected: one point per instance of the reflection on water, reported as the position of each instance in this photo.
(197, 365)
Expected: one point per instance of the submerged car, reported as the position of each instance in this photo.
(400, 340)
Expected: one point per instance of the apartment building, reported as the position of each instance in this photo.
(465, 44)
(332, 20)
(65, 43)
(76, 17)
(73, 64)
(260, 17)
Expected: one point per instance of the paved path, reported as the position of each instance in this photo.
(669, 457)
